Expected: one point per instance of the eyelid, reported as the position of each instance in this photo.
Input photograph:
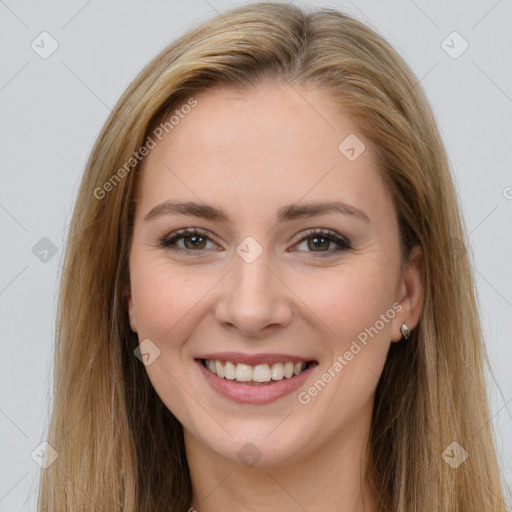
(170, 240)
(340, 240)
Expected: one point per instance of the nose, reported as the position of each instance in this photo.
(254, 298)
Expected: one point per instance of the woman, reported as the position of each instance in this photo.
(208, 357)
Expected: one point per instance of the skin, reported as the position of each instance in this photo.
(250, 153)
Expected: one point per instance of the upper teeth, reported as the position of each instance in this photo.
(257, 373)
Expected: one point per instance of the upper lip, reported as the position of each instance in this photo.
(254, 359)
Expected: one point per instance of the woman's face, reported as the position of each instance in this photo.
(270, 279)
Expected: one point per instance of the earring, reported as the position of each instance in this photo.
(405, 331)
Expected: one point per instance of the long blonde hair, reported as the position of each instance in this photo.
(119, 448)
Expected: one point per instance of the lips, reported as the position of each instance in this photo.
(255, 378)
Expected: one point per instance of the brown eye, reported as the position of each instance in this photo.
(194, 242)
(187, 240)
(318, 243)
(325, 242)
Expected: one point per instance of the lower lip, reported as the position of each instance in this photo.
(254, 394)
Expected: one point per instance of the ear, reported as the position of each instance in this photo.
(410, 296)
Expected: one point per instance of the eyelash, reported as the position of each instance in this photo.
(341, 241)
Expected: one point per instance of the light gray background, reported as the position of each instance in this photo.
(52, 110)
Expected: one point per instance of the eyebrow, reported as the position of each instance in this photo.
(286, 213)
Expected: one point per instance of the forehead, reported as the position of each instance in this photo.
(277, 143)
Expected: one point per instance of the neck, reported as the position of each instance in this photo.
(330, 478)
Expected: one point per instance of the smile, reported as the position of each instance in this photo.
(254, 379)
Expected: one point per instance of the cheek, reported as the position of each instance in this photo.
(348, 300)
(164, 296)
(350, 303)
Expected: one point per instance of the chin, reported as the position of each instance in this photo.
(250, 448)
